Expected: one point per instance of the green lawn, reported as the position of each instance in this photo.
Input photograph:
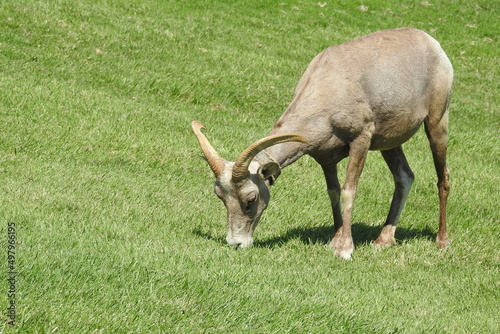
(117, 226)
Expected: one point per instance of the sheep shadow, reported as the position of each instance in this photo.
(362, 234)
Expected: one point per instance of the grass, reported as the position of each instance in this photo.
(118, 229)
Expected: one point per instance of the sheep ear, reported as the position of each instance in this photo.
(269, 171)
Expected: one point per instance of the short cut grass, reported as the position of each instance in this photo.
(118, 229)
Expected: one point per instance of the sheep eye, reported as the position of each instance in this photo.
(252, 199)
(250, 203)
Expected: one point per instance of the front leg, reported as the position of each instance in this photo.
(358, 150)
(403, 179)
(333, 189)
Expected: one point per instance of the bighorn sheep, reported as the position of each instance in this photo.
(372, 93)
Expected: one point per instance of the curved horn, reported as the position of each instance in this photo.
(240, 169)
(214, 160)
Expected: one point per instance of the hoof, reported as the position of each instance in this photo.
(343, 246)
(442, 243)
(344, 253)
(381, 244)
(386, 237)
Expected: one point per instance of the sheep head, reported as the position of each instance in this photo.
(243, 185)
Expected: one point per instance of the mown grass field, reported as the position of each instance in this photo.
(117, 226)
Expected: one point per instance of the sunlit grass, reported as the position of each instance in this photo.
(118, 226)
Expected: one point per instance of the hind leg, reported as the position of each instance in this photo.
(403, 179)
(437, 133)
